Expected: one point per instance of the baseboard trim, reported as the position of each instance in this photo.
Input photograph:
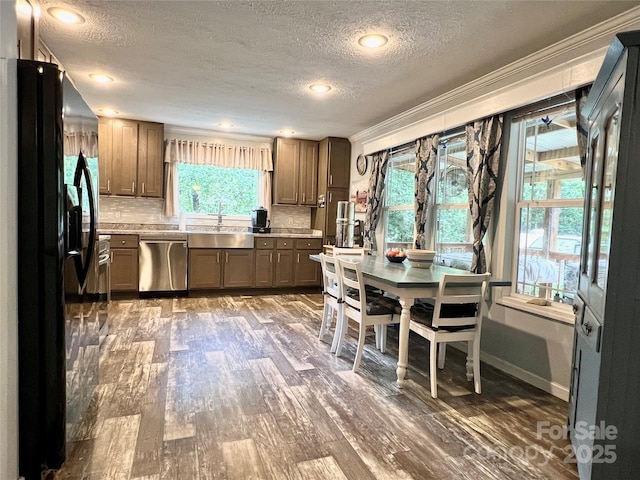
(548, 386)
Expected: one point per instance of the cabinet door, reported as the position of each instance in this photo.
(264, 268)
(284, 268)
(205, 268)
(125, 157)
(238, 268)
(339, 163)
(105, 155)
(150, 164)
(333, 197)
(124, 269)
(286, 171)
(307, 272)
(308, 180)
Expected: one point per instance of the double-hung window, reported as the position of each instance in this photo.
(453, 231)
(549, 207)
(400, 198)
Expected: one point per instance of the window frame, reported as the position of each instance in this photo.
(400, 152)
(518, 135)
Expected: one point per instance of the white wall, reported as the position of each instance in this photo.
(8, 246)
(529, 346)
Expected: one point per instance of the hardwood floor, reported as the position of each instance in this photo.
(240, 388)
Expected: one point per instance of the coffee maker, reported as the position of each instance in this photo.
(259, 221)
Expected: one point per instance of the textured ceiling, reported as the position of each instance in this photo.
(196, 64)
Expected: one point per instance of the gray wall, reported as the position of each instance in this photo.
(8, 245)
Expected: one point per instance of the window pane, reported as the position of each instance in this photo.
(551, 158)
(452, 168)
(453, 245)
(399, 228)
(549, 251)
(401, 180)
(202, 188)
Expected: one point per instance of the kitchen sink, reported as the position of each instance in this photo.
(220, 240)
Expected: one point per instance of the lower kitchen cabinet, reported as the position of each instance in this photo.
(284, 276)
(238, 268)
(124, 263)
(205, 268)
(307, 272)
(211, 268)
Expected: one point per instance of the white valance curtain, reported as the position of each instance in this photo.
(220, 155)
(85, 141)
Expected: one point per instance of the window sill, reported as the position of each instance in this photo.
(557, 313)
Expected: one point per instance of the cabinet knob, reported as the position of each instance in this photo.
(265, 244)
(123, 242)
(285, 244)
(308, 244)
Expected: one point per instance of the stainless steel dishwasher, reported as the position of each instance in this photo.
(163, 263)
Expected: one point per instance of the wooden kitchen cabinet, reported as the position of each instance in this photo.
(130, 157)
(334, 165)
(307, 271)
(264, 262)
(124, 263)
(284, 274)
(205, 268)
(295, 172)
(212, 268)
(238, 268)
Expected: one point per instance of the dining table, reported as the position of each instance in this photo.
(407, 283)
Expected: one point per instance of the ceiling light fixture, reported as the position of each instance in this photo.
(65, 16)
(373, 40)
(286, 132)
(226, 125)
(319, 88)
(100, 78)
(108, 112)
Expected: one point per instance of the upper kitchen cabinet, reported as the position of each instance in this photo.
(334, 163)
(130, 157)
(295, 172)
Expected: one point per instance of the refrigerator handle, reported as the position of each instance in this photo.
(82, 267)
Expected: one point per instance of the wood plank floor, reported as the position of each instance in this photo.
(235, 387)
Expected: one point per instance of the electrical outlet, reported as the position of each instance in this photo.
(290, 220)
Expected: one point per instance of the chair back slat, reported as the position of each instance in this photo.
(351, 277)
(330, 275)
(460, 300)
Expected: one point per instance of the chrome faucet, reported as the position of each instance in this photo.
(219, 215)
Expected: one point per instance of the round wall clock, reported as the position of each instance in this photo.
(361, 164)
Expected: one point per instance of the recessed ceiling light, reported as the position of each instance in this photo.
(108, 112)
(286, 132)
(65, 16)
(101, 78)
(225, 125)
(373, 41)
(319, 87)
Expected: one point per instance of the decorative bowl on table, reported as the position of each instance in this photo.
(420, 258)
(395, 256)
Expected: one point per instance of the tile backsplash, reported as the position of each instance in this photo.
(125, 210)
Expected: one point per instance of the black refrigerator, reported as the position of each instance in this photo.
(58, 324)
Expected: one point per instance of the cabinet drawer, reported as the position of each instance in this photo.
(284, 243)
(309, 244)
(265, 243)
(124, 241)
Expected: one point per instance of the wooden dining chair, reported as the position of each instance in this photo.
(456, 316)
(331, 291)
(367, 310)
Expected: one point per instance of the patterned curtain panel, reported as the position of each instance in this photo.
(484, 139)
(582, 124)
(426, 157)
(379, 164)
